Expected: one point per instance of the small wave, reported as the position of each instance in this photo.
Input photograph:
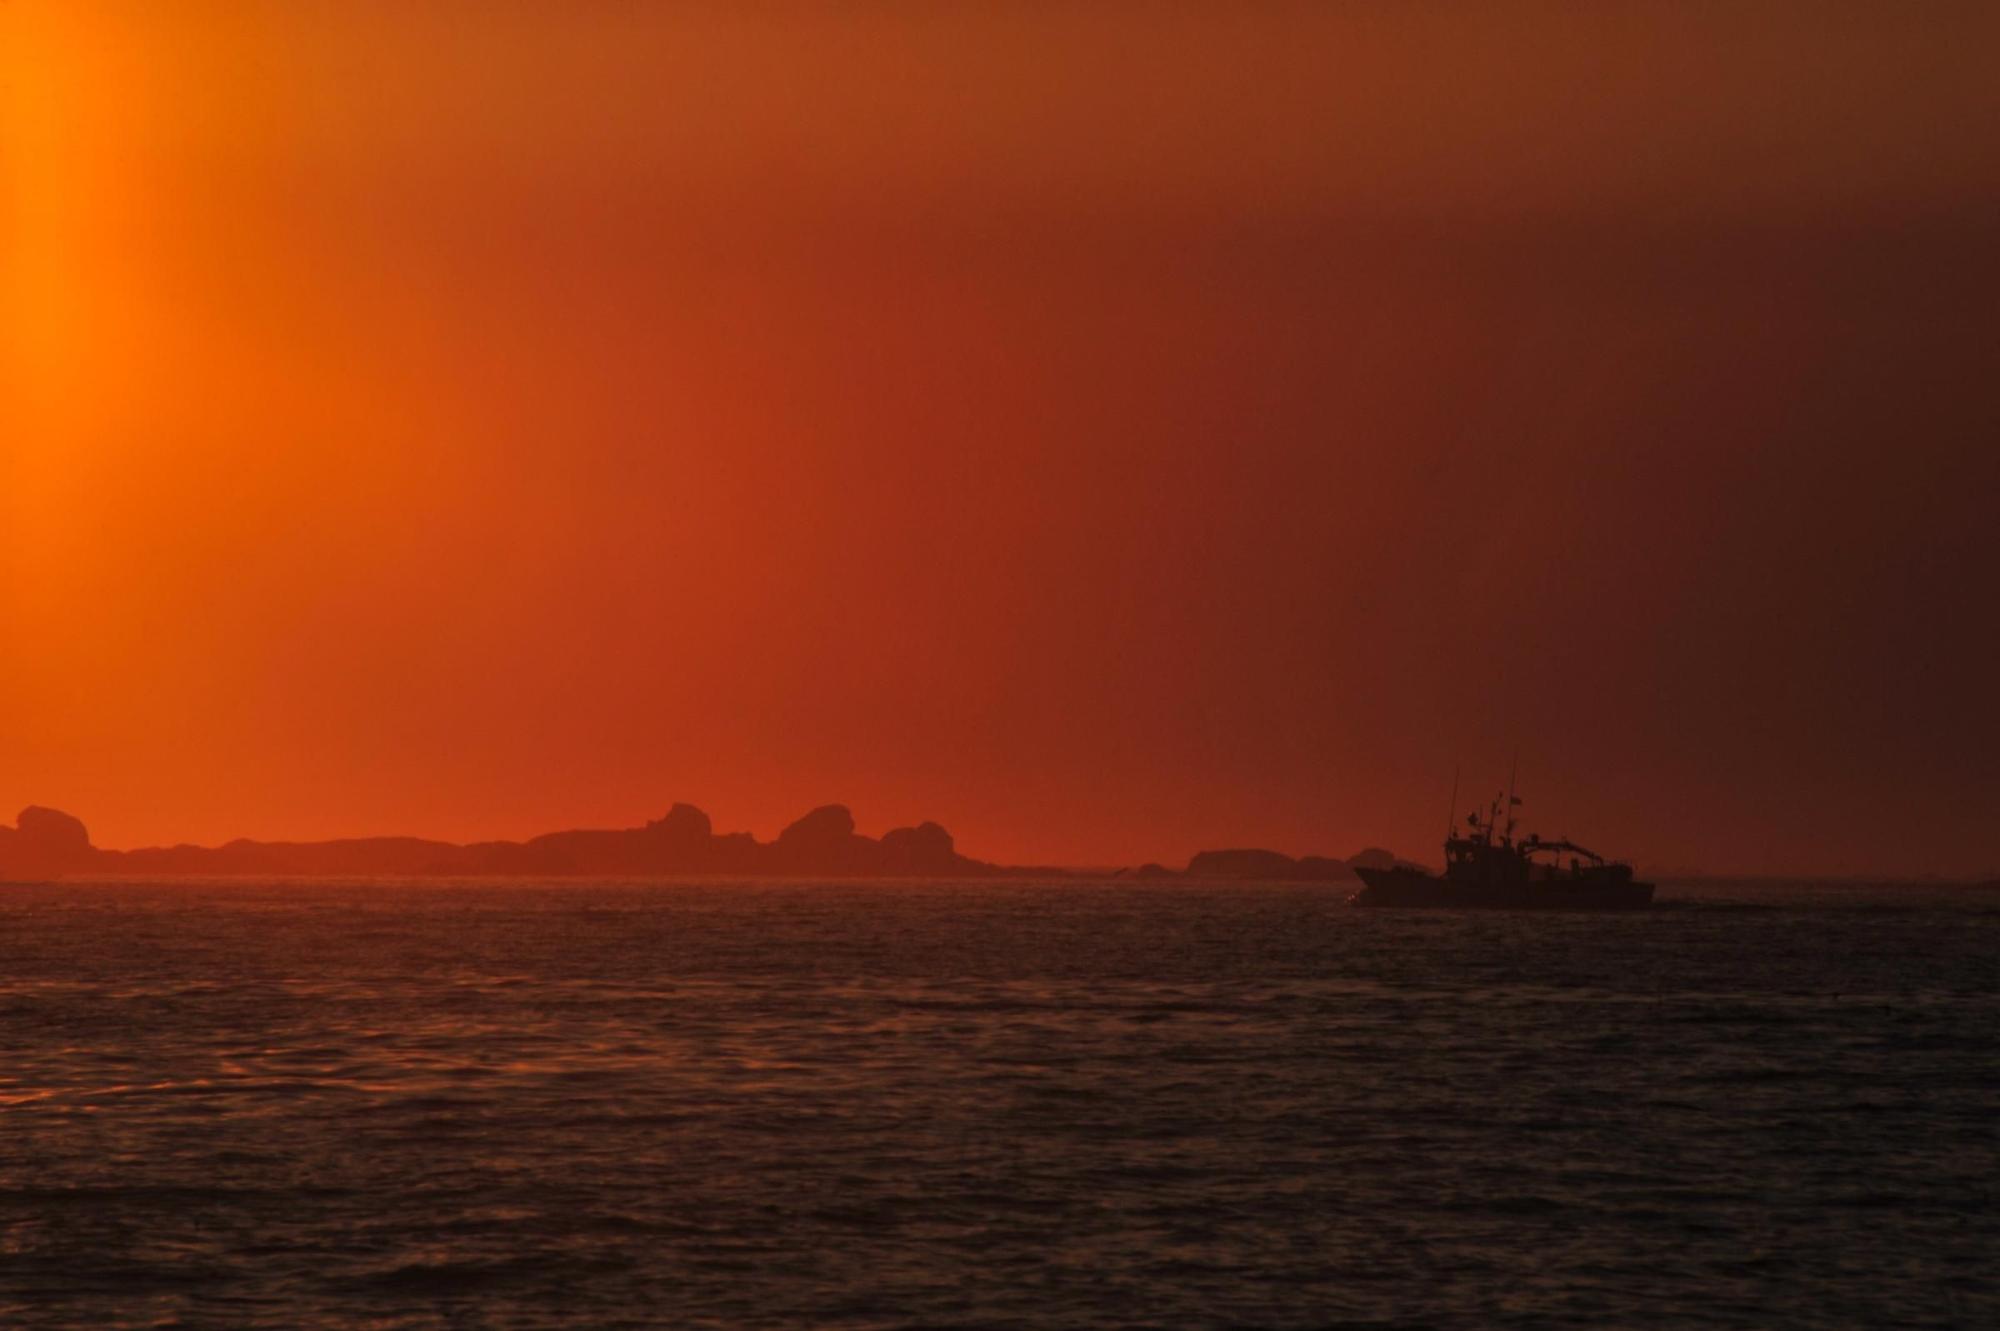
(1720, 907)
(472, 1276)
(106, 1195)
(1514, 1205)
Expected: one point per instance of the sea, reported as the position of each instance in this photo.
(387, 1105)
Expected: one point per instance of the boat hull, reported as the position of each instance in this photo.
(1410, 888)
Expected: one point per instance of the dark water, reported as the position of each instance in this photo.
(759, 1105)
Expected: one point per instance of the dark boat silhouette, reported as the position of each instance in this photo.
(1487, 867)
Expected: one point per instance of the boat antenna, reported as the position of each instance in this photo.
(1512, 772)
(1451, 819)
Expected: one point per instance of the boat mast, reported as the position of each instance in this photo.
(1451, 819)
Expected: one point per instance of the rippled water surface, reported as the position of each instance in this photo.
(941, 1105)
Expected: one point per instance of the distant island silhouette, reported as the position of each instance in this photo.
(47, 843)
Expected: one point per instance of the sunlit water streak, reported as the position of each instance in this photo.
(754, 1104)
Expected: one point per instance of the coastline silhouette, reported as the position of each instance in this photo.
(48, 843)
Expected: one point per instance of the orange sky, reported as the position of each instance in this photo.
(1110, 430)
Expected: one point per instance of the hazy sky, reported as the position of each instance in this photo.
(1111, 430)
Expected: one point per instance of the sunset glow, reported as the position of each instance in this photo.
(1111, 441)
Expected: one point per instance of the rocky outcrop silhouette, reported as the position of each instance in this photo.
(360, 857)
(44, 843)
(923, 849)
(1267, 866)
(52, 831)
(1270, 866)
(683, 826)
(824, 843)
(1242, 864)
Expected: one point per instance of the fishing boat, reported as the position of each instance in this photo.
(1487, 867)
